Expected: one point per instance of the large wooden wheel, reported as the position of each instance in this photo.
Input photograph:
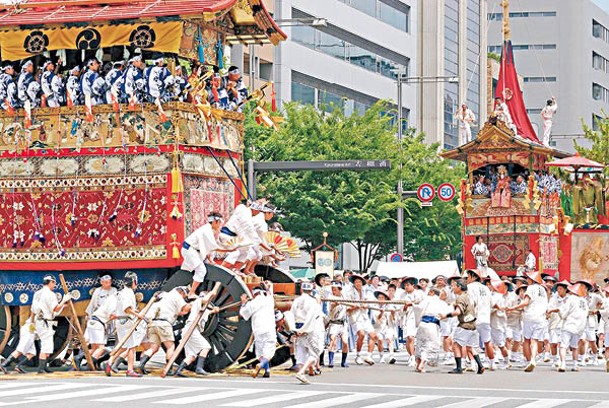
(275, 275)
(229, 335)
(6, 323)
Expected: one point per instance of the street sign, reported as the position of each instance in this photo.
(426, 193)
(323, 165)
(395, 257)
(446, 192)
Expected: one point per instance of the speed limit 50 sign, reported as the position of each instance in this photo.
(446, 192)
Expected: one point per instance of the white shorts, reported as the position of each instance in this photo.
(466, 338)
(239, 255)
(138, 336)
(26, 340)
(589, 334)
(254, 253)
(498, 337)
(555, 336)
(362, 325)
(45, 331)
(484, 331)
(266, 344)
(311, 344)
(514, 333)
(447, 326)
(533, 330)
(387, 333)
(606, 340)
(410, 328)
(569, 339)
(335, 329)
(199, 273)
(95, 333)
(196, 343)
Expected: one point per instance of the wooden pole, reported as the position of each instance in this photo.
(191, 330)
(135, 324)
(76, 325)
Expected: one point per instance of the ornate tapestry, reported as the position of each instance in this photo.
(203, 195)
(548, 250)
(507, 251)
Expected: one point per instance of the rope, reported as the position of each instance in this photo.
(526, 25)
(477, 66)
(240, 177)
(352, 301)
(225, 172)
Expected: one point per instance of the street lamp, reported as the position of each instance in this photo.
(402, 78)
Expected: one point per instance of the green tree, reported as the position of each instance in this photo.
(599, 149)
(354, 207)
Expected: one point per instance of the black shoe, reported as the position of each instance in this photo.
(267, 374)
(4, 370)
(392, 361)
(19, 369)
(455, 371)
(480, 370)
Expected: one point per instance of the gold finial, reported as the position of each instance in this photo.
(506, 19)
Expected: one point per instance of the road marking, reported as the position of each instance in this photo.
(38, 389)
(85, 393)
(209, 397)
(405, 402)
(602, 404)
(545, 403)
(16, 384)
(150, 394)
(330, 402)
(274, 398)
(478, 402)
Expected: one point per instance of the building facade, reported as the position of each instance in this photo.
(561, 49)
(350, 60)
(451, 62)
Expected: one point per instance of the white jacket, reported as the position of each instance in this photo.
(574, 314)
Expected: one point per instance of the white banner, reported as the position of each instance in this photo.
(324, 262)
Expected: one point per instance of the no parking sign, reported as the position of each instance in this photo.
(426, 193)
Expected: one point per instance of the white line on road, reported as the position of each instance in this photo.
(38, 389)
(85, 393)
(209, 397)
(479, 402)
(16, 384)
(405, 402)
(150, 394)
(545, 403)
(331, 402)
(602, 404)
(275, 398)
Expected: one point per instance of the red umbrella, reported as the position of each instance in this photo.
(576, 162)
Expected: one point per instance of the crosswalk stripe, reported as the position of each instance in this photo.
(330, 402)
(39, 390)
(150, 394)
(405, 402)
(15, 384)
(602, 404)
(275, 398)
(209, 397)
(86, 393)
(544, 403)
(479, 402)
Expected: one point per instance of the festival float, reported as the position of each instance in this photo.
(116, 187)
(514, 201)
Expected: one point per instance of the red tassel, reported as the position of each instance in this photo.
(9, 109)
(273, 98)
(132, 103)
(211, 134)
(43, 101)
(27, 122)
(214, 91)
(115, 106)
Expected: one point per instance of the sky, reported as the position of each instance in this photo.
(604, 4)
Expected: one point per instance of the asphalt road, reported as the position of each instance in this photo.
(380, 386)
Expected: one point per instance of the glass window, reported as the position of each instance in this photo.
(303, 93)
(304, 35)
(365, 6)
(363, 58)
(393, 17)
(331, 45)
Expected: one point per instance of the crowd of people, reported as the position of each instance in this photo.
(492, 323)
(132, 81)
(487, 183)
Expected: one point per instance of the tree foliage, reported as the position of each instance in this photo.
(358, 207)
(599, 150)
